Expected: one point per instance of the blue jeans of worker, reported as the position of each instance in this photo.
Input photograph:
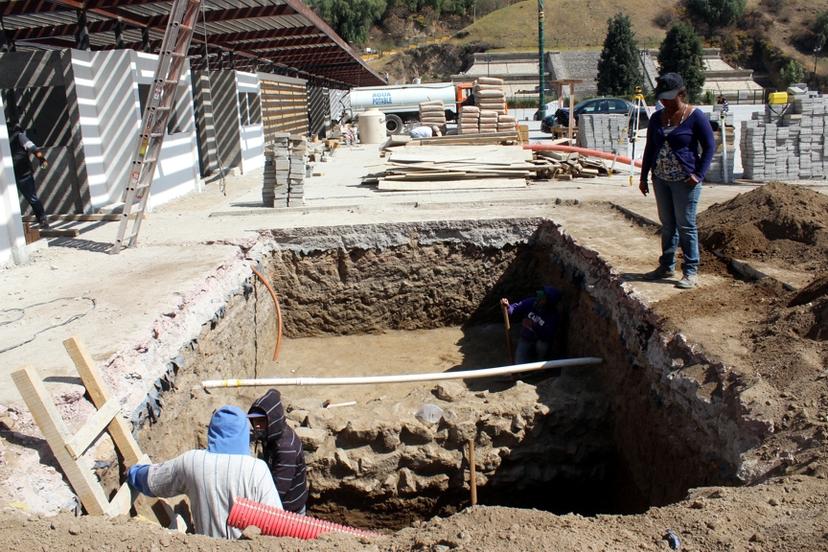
(677, 204)
(530, 351)
(26, 186)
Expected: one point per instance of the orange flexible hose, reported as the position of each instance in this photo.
(584, 151)
(273, 296)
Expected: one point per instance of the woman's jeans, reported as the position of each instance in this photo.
(677, 203)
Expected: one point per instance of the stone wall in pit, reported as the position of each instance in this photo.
(360, 279)
(392, 467)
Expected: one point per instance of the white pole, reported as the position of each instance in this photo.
(433, 376)
(725, 172)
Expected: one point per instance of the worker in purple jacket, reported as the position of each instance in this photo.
(539, 317)
(680, 147)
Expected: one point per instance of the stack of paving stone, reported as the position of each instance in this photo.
(488, 121)
(489, 95)
(433, 113)
(298, 170)
(506, 123)
(469, 120)
(718, 172)
(789, 145)
(276, 171)
(603, 132)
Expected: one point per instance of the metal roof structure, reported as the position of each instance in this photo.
(277, 36)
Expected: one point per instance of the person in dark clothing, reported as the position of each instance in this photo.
(21, 147)
(540, 323)
(282, 450)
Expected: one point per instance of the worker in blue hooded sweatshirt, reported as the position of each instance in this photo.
(539, 317)
(212, 479)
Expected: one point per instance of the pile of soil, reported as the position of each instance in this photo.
(778, 223)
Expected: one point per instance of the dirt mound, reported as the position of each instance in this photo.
(807, 313)
(776, 222)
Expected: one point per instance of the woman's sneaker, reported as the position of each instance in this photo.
(688, 282)
(660, 273)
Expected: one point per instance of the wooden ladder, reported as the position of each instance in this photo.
(69, 449)
(160, 103)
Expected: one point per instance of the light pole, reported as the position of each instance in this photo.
(541, 67)
(817, 49)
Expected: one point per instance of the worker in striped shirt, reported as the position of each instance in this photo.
(282, 450)
(212, 479)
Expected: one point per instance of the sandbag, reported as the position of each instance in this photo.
(490, 80)
(485, 94)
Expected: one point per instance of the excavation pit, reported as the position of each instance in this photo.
(616, 438)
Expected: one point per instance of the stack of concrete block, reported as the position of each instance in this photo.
(488, 121)
(719, 171)
(603, 132)
(469, 120)
(489, 95)
(433, 113)
(298, 170)
(787, 145)
(276, 171)
(506, 123)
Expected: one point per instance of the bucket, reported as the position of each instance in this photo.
(372, 127)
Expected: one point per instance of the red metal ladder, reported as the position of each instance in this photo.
(160, 103)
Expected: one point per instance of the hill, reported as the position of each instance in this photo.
(770, 31)
(569, 24)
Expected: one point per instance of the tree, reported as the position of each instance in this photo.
(619, 67)
(791, 72)
(350, 18)
(716, 13)
(681, 52)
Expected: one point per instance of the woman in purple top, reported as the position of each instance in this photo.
(680, 147)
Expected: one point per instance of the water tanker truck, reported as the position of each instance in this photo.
(401, 103)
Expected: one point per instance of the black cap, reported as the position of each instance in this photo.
(668, 86)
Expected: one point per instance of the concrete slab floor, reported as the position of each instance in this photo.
(190, 249)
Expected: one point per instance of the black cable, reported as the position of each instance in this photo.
(53, 326)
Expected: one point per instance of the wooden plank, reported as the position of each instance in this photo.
(92, 380)
(53, 233)
(95, 217)
(51, 424)
(93, 427)
(480, 184)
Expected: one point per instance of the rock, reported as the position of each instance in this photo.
(388, 439)
(304, 404)
(440, 548)
(251, 533)
(298, 415)
(74, 529)
(312, 439)
(773, 502)
(344, 461)
(697, 505)
(408, 482)
(449, 391)
(416, 434)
